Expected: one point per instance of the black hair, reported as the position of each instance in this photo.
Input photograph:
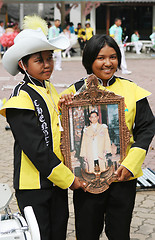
(10, 25)
(93, 112)
(49, 24)
(93, 47)
(116, 19)
(57, 20)
(25, 61)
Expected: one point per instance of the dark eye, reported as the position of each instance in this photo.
(100, 58)
(113, 57)
(38, 60)
(50, 57)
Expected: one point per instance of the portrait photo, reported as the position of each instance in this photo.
(94, 137)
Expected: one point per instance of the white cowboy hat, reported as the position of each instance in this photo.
(27, 42)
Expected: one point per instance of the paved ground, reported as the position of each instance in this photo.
(143, 72)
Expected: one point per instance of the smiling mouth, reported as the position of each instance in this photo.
(107, 70)
(47, 72)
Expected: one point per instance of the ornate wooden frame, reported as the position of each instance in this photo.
(97, 181)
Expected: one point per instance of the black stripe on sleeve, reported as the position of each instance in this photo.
(144, 127)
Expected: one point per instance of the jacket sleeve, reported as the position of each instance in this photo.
(28, 135)
(143, 132)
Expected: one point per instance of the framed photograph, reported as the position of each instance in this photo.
(95, 136)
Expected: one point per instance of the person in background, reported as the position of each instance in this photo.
(16, 28)
(2, 31)
(115, 31)
(9, 28)
(81, 34)
(152, 37)
(41, 179)
(135, 40)
(7, 39)
(71, 27)
(67, 33)
(114, 207)
(54, 32)
(49, 25)
(89, 30)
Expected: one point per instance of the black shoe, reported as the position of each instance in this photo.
(72, 50)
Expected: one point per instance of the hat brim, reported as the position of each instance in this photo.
(28, 46)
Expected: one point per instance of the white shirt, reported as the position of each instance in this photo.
(95, 149)
(2, 30)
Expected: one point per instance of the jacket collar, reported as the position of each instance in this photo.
(35, 81)
(110, 81)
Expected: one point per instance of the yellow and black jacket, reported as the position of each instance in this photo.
(89, 33)
(80, 32)
(138, 116)
(38, 162)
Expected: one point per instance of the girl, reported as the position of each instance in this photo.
(102, 57)
(40, 177)
(7, 39)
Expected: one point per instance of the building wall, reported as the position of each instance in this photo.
(75, 15)
(56, 13)
(44, 10)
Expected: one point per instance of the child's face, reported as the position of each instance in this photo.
(105, 64)
(87, 25)
(40, 65)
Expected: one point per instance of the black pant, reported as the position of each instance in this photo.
(114, 207)
(81, 43)
(51, 210)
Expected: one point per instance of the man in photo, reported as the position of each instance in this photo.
(95, 144)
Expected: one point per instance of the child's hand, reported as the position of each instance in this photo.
(123, 174)
(66, 98)
(78, 184)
